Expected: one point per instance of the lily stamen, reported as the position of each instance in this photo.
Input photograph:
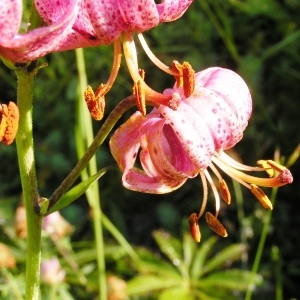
(261, 196)
(222, 185)
(154, 59)
(131, 61)
(215, 224)
(215, 191)
(96, 101)
(139, 92)
(245, 179)
(194, 227)
(9, 122)
(267, 167)
(205, 194)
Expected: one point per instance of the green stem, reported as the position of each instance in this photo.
(261, 245)
(241, 217)
(84, 137)
(25, 151)
(109, 123)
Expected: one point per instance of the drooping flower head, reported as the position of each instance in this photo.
(75, 24)
(178, 144)
(36, 43)
(110, 21)
(103, 21)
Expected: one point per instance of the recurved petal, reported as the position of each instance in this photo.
(40, 41)
(125, 142)
(10, 17)
(231, 87)
(139, 15)
(192, 132)
(136, 180)
(213, 110)
(171, 10)
(162, 154)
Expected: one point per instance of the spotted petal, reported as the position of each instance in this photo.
(38, 42)
(230, 86)
(164, 169)
(171, 10)
(214, 117)
(101, 22)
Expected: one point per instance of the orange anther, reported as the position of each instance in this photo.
(194, 227)
(139, 92)
(9, 122)
(95, 103)
(261, 196)
(215, 224)
(224, 191)
(188, 75)
(177, 67)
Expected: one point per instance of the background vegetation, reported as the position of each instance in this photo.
(257, 39)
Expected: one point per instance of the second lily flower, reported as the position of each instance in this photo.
(178, 144)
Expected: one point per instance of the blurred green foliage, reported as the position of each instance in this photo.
(257, 39)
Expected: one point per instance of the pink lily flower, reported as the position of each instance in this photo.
(102, 22)
(34, 44)
(115, 21)
(178, 144)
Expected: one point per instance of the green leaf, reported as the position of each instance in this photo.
(233, 279)
(150, 263)
(200, 257)
(227, 255)
(189, 249)
(172, 248)
(178, 293)
(74, 193)
(144, 284)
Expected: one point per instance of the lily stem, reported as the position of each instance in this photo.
(261, 244)
(25, 152)
(84, 137)
(109, 123)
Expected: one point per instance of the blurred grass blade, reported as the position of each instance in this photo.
(189, 249)
(200, 257)
(178, 293)
(225, 256)
(77, 191)
(234, 280)
(293, 157)
(172, 248)
(144, 284)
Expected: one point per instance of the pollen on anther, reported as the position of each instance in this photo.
(139, 92)
(261, 196)
(224, 191)
(9, 122)
(95, 102)
(215, 225)
(188, 75)
(194, 227)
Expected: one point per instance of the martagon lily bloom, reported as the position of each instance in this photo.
(22, 48)
(115, 21)
(174, 145)
(103, 21)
